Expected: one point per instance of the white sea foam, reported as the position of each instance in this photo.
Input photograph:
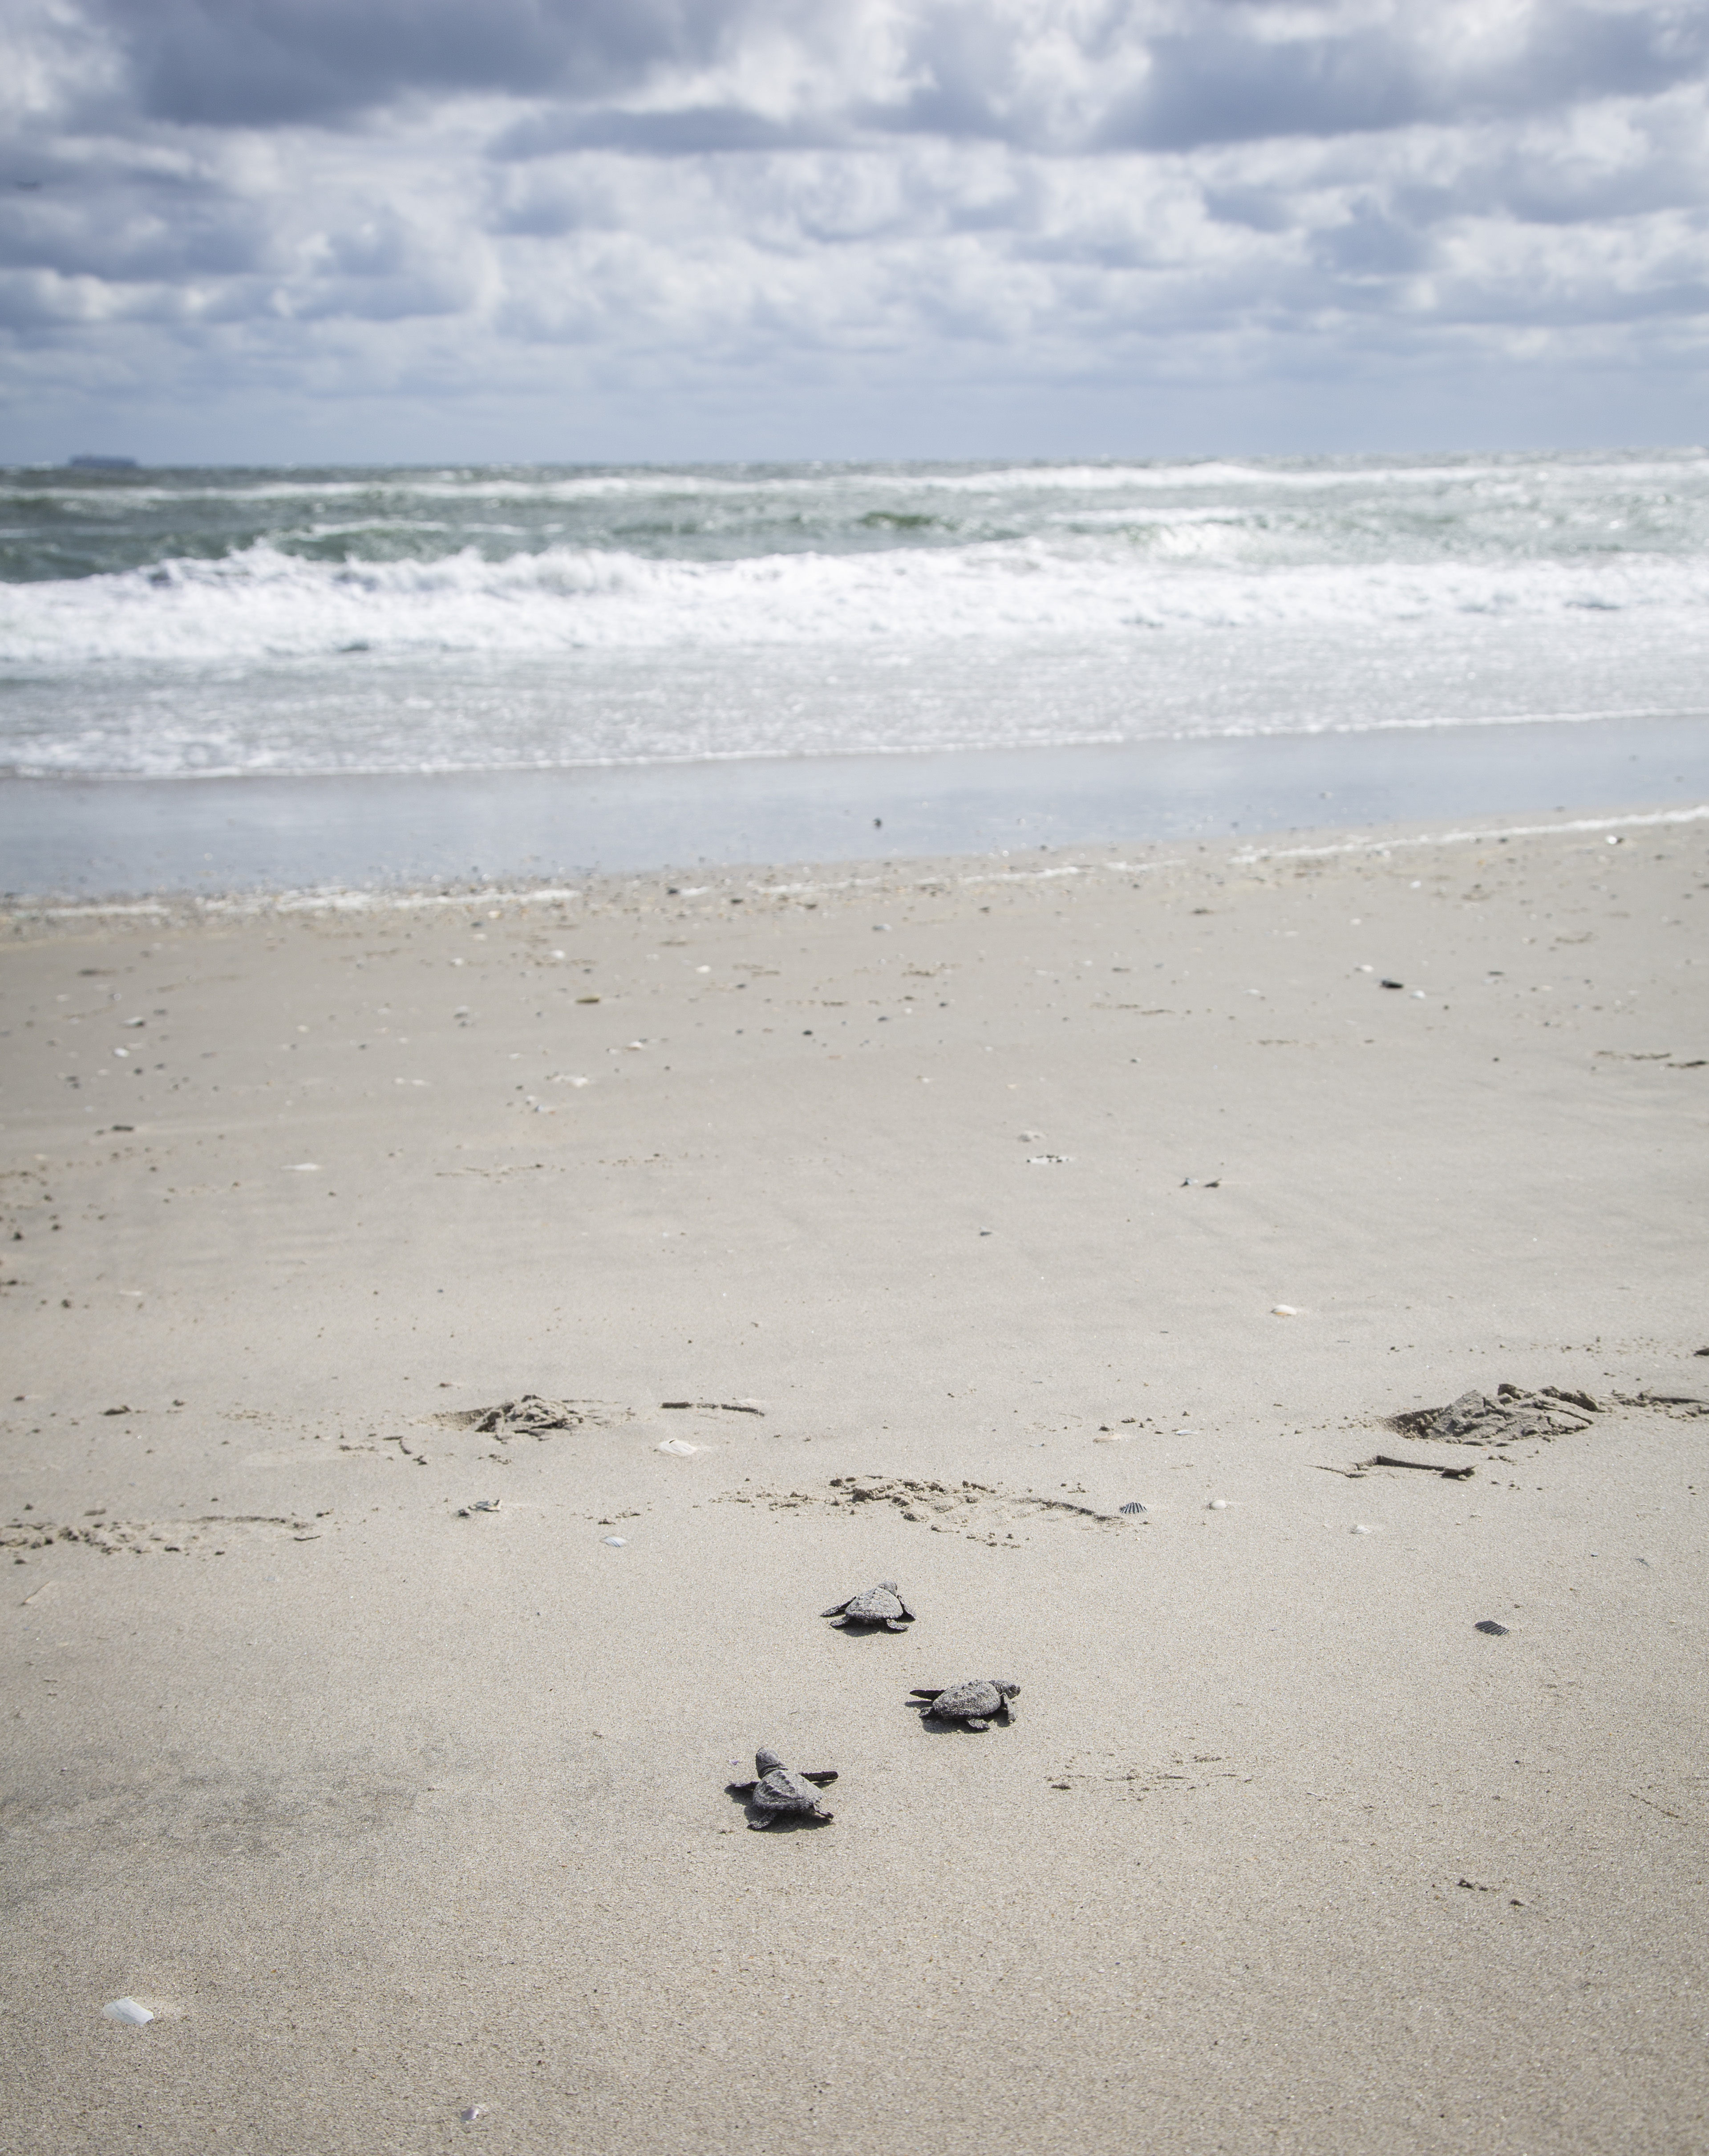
(264, 604)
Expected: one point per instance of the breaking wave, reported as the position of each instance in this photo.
(264, 604)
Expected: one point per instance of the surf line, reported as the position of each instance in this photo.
(1475, 838)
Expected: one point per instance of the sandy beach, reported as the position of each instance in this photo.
(382, 1757)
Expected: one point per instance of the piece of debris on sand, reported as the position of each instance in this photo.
(534, 1416)
(1475, 1419)
(716, 1407)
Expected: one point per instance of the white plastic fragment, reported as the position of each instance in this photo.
(1217, 1505)
(132, 2013)
(680, 1447)
(616, 1541)
(479, 2110)
(1367, 1531)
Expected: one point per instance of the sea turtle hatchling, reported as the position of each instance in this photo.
(974, 1703)
(779, 1790)
(882, 1604)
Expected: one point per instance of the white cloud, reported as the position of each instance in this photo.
(656, 227)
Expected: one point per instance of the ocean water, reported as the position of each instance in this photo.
(173, 624)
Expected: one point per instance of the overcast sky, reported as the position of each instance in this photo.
(272, 230)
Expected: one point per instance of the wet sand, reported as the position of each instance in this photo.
(954, 1174)
(96, 838)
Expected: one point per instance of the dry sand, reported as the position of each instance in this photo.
(388, 1813)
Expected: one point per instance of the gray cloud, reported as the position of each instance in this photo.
(1221, 81)
(268, 63)
(688, 130)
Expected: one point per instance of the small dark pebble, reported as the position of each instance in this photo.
(1489, 1625)
(1392, 984)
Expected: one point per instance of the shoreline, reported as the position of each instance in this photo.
(66, 837)
(808, 882)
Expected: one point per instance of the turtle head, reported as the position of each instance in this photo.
(766, 1761)
(1008, 1690)
(887, 1587)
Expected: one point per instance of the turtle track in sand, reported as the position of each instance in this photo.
(210, 1532)
(978, 1511)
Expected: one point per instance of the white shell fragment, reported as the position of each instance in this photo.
(679, 1447)
(616, 1541)
(1283, 1310)
(129, 2011)
(1217, 1505)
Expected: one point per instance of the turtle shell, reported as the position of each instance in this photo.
(784, 1790)
(874, 1605)
(976, 1700)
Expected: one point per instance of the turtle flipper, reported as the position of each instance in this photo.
(894, 1624)
(906, 1611)
(975, 1725)
(741, 1789)
(928, 1691)
(823, 1779)
(759, 1824)
(1008, 1710)
(836, 1609)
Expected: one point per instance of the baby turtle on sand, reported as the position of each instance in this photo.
(780, 1791)
(974, 1703)
(882, 1604)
